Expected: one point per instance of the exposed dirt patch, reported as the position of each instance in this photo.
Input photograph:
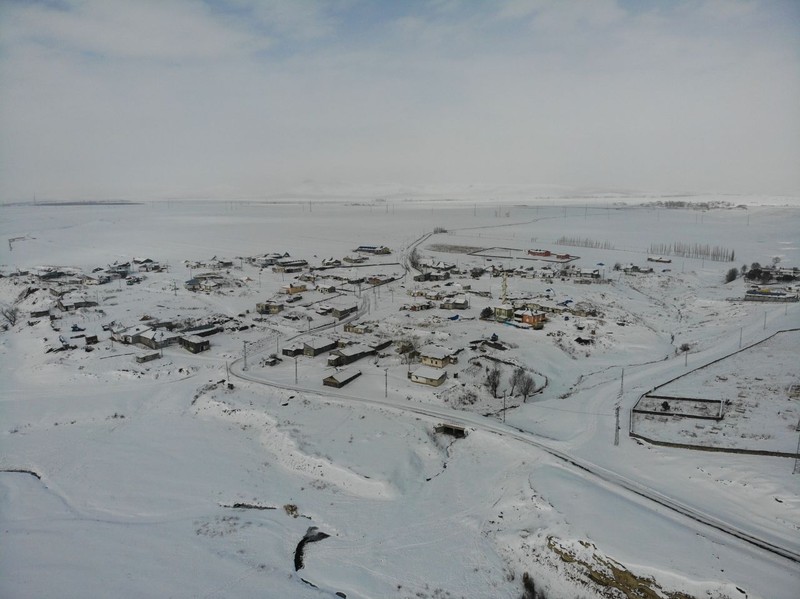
(609, 576)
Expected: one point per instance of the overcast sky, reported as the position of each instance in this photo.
(238, 98)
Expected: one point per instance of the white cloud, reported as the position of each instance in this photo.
(169, 30)
(245, 97)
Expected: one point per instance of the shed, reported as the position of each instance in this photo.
(318, 345)
(195, 343)
(345, 310)
(269, 307)
(427, 375)
(349, 354)
(147, 357)
(292, 350)
(341, 378)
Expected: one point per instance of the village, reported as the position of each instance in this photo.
(309, 361)
(408, 314)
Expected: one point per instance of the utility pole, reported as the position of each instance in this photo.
(295, 370)
(622, 383)
(386, 382)
(504, 406)
(796, 469)
(740, 337)
(686, 358)
(616, 428)
(765, 320)
(244, 344)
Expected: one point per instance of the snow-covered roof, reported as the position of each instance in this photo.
(430, 373)
(436, 352)
(317, 342)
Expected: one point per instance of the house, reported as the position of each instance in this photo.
(428, 376)
(292, 288)
(422, 277)
(71, 305)
(341, 378)
(458, 302)
(193, 284)
(437, 357)
(355, 259)
(344, 310)
(589, 273)
(288, 265)
(121, 270)
(354, 278)
(379, 344)
(439, 275)
(267, 259)
(293, 350)
(318, 345)
(421, 306)
(379, 279)
(347, 355)
(129, 335)
(269, 308)
(535, 319)
(373, 249)
(504, 312)
(326, 288)
(157, 339)
(358, 329)
(331, 262)
(195, 344)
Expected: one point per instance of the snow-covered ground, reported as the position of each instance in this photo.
(162, 479)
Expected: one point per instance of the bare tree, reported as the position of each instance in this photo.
(516, 378)
(10, 314)
(493, 378)
(413, 259)
(526, 386)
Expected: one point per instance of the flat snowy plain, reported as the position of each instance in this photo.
(138, 466)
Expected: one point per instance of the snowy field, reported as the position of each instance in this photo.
(197, 475)
(758, 391)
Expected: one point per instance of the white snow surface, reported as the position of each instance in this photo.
(120, 478)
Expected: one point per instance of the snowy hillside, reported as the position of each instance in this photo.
(183, 400)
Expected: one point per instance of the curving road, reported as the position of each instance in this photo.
(477, 422)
